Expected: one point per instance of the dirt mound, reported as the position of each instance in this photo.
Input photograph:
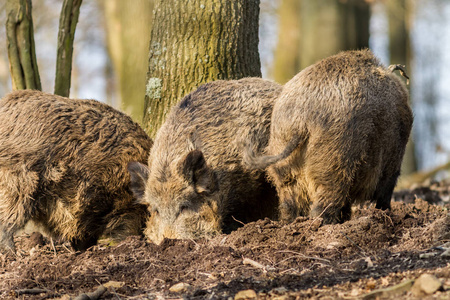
(371, 252)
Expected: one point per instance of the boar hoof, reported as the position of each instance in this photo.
(7, 243)
(83, 244)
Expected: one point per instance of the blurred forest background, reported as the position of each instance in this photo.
(110, 59)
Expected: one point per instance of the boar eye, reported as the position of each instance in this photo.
(184, 207)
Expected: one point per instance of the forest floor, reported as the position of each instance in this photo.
(403, 254)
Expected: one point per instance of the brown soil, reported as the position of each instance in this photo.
(375, 250)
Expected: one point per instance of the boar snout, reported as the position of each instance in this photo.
(177, 203)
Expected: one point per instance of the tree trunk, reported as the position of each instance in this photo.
(330, 26)
(323, 30)
(193, 42)
(128, 30)
(356, 16)
(400, 53)
(287, 52)
(67, 24)
(21, 49)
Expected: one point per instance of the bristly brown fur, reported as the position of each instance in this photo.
(198, 151)
(63, 165)
(354, 117)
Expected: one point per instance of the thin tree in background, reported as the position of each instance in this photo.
(330, 26)
(67, 25)
(5, 77)
(400, 53)
(20, 43)
(358, 13)
(287, 53)
(21, 46)
(128, 29)
(312, 30)
(193, 42)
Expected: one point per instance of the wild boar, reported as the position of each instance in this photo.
(338, 135)
(195, 184)
(63, 165)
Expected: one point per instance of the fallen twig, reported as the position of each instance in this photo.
(360, 249)
(92, 296)
(289, 270)
(248, 261)
(68, 250)
(53, 246)
(312, 222)
(390, 292)
(240, 222)
(192, 240)
(209, 275)
(302, 256)
(114, 291)
(29, 292)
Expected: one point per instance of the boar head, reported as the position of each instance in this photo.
(181, 196)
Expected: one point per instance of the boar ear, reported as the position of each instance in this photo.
(138, 176)
(195, 170)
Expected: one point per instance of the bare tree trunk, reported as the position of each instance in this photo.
(21, 49)
(193, 42)
(357, 17)
(400, 53)
(287, 52)
(67, 24)
(323, 30)
(128, 28)
(330, 26)
(5, 77)
(111, 84)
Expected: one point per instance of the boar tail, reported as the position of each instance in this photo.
(401, 68)
(253, 162)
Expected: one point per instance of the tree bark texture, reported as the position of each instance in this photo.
(67, 24)
(21, 48)
(400, 53)
(128, 28)
(197, 41)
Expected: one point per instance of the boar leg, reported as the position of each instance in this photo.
(6, 240)
(384, 190)
(14, 214)
(17, 204)
(84, 243)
